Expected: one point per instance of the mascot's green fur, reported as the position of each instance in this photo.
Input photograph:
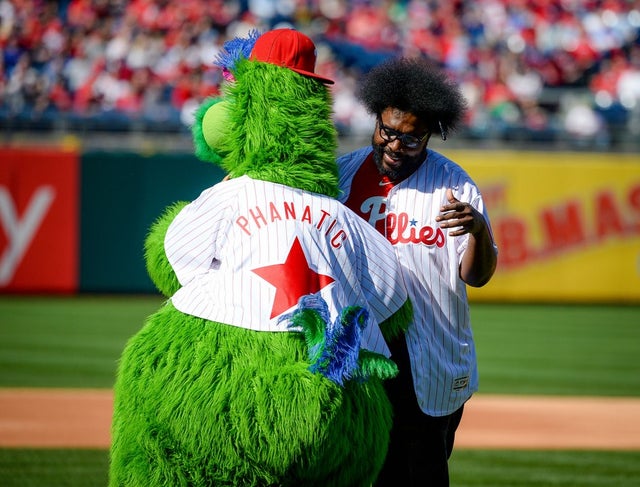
(201, 403)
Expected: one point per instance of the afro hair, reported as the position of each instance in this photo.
(416, 86)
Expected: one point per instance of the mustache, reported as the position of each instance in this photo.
(382, 150)
(393, 154)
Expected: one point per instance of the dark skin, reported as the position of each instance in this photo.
(398, 162)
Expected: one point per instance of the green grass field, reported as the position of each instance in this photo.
(522, 349)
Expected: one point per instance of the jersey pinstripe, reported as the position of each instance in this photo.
(440, 339)
(246, 250)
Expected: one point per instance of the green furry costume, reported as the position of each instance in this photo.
(202, 403)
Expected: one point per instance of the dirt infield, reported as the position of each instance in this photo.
(59, 418)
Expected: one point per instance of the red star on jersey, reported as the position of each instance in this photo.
(292, 279)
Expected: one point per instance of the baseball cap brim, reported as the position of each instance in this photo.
(308, 74)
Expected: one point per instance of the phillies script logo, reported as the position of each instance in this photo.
(397, 227)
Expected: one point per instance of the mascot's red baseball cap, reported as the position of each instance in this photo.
(288, 48)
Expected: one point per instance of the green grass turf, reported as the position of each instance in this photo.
(53, 341)
(53, 468)
(469, 468)
(523, 349)
(501, 468)
(558, 349)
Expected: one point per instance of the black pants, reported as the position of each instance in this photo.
(420, 445)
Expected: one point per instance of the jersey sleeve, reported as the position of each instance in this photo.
(381, 278)
(469, 193)
(191, 239)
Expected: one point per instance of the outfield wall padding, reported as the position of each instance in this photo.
(567, 224)
(122, 194)
(76, 222)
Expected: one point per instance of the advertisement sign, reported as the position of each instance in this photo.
(38, 220)
(567, 224)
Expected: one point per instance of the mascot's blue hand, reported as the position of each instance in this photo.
(334, 348)
(311, 318)
(339, 358)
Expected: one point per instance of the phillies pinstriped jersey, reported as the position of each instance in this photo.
(246, 250)
(439, 340)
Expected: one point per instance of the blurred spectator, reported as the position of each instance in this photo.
(150, 61)
(584, 126)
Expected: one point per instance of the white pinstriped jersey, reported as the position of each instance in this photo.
(246, 250)
(439, 340)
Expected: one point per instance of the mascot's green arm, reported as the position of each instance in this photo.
(158, 266)
(398, 322)
(375, 365)
(371, 364)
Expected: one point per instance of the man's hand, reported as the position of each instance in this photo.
(460, 216)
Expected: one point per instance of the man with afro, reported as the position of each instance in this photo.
(432, 212)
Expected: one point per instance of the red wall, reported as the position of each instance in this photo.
(38, 220)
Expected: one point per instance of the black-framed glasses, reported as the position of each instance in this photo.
(389, 135)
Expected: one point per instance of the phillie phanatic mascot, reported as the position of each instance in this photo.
(265, 364)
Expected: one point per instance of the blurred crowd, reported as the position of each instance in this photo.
(529, 68)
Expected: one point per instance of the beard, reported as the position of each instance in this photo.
(405, 164)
